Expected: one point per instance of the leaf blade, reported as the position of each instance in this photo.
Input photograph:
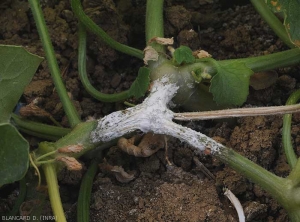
(230, 86)
(17, 67)
(140, 85)
(14, 154)
(183, 54)
(290, 9)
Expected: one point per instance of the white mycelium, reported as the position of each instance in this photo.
(154, 116)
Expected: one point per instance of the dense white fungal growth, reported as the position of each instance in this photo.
(154, 116)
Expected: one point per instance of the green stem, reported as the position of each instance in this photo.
(94, 28)
(38, 135)
(37, 171)
(53, 190)
(68, 106)
(83, 203)
(129, 104)
(154, 23)
(39, 129)
(268, 62)
(45, 155)
(283, 190)
(286, 132)
(294, 175)
(294, 216)
(83, 75)
(79, 135)
(279, 29)
(271, 183)
(293, 195)
(54, 121)
(45, 162)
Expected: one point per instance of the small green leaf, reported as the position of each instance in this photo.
(183, 54)
(17, 67)
(230, 86)
(290, 9)
(14, 151)
(140, 85)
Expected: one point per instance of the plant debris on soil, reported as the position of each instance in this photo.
(159, 192)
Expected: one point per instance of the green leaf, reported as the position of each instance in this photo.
(230, 86)
(17, 67)
(14, 151)
(140, 85)
(291, 11)
(183, 54)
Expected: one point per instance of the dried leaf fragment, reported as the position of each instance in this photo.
(162, 41)
(149, 145)
(33, 110)
(171, 49)
(201, 54)
(150, 54)
(118, 171)
(70, 162)
(263, 80)
(76, 148)
(121, 175)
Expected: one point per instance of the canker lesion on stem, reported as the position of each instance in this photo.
(153, 115)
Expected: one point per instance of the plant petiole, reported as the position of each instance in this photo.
(39, 129)
(84, 77)
(266, 13)
(154, 23)
(68, 105)
(83, 203)
(94, 28)
(45, 162)
(36, 170)
(268, 62)
(45, 155)
(53, 190)
(286, 132)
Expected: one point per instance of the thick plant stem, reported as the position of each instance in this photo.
(286, 131)
(293, 195)
(79, 135)
(279, 29)
(154, 23)
(294, 175)
(94, 28)
(271, 183)
(53, 190)
(285, 191)
(68, 105)
(83, 75)
(268, 62)
(294, 217)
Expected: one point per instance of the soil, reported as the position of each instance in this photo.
(159, 192)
